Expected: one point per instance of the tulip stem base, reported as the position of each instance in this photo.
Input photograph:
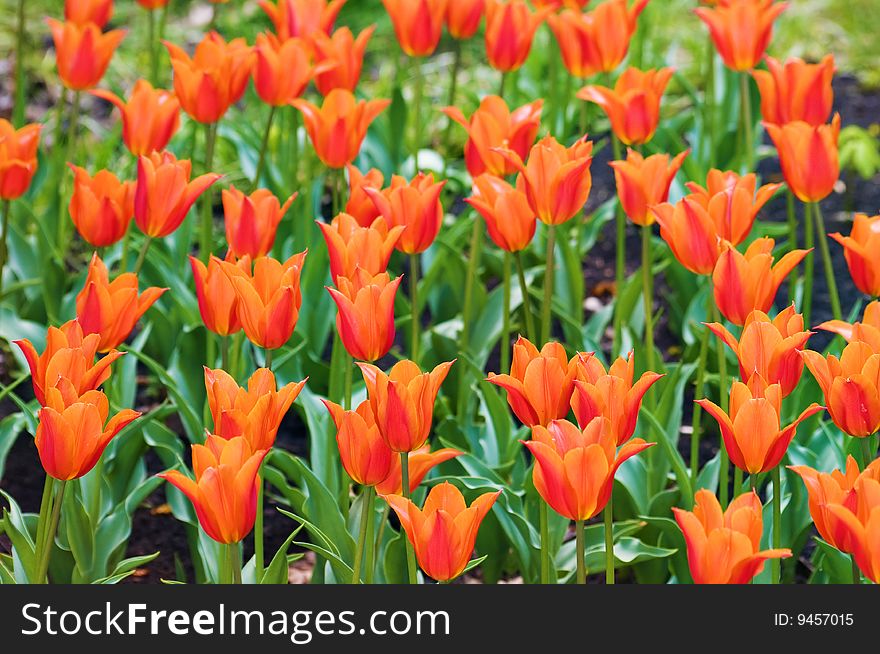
(412, 573)
(346, 393)
(467, 309)
(264, 146)
(414, 306)
(609, 542)
(366, 518)
(505, 318)
(724, 467)
(581, 563)
(830, 281)
(205, 238)
(42, 522)
(233, 563)
(549, 271)
(620, 262)
(775, 566)
(791, 217)
(370, 547)
(258, 532)
(142, 256)
(545, 544)
(809, 267)
(696, 420)
(528, 317)
(49, 534)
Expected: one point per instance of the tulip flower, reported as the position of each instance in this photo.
(101, 207)
(540, 384)
(254, 412)
(365, 456)
(809, 157)
(643, 182)
(339, 126)
(82, 12)
(751, 431)
(282, 69)
(610, 394)
(269, 300)
(691, 233)
(494, 126)
(443, 533)
(165, 193)
(574, 469)
(510, 29)
(867, 330)
(859, 529)
(463, 17)
(352, 246)
(112, 309)
(301, 18)
(859, 249)
(769, 348)
(365, 320)
(558, 4)
(509, 218)
(421, 461)
(596, 42)
(69, 356)
(403, 401)
(418, 24)
(252, 220)
(149, 119)
(150, 5)
(633, 105)
(796, 90)
(743, 283)
(341, 58)
(18, 158)
(838, 487)
(224, 493)
(359, 204)
(214, 78)
(413, 205)
(72, 436)
(741, 29)
(218, 303)
(82, 52)
(724, 548)
(851, 386)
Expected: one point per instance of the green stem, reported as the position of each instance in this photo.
(505, 318)
(470, 281)
(648, 299)
(337, 353)
(69, 156)
(791, 219)
(18, 113)
(609, 543)
(502, 84)
(4, 231)
(414, 304)
(43, 520)
(545, 544)
(748, 160)
(620, 261)
(335, 192)
(581, 564)
(822, 237)
(267, 359)
(370, 551)
(753, 482)
(259, 562)
(737, 480)
(696, 420)
(867, 455)
(412, 574)
(709, 101)
(123, 253)
(809, 266)
(450, 100)
(418, 123)
(349, 368)
(366, 518)
(526, 300)
(234, 558)
(724, 468)
(777, 523)
(205, 239)
(549, 266)
(856, 573)
(224, 352)
(154, 54)
(142, 254)
(49, 535)
(264, 146)
(294, 149)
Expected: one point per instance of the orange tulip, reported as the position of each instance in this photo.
(851, 386)
(494, 126)
(796, 90)
(218, 303)
(351, 246)
(282, 69)
(691, 233)
(867, 330)
(509, 218)
(69, 356)
(643, 182)
(214, 78)
(339, 126)
(365, 320)
(224, 493)
(112, 309)
(269, 300)
(149, 119)
(165, 193)
(150, 5)
(101, 206)
(82, 12)
(417, 24)
(860, 528)
(808, 156)
(769, 348)
(365, 456)
(255, 412)
(633, 105)
(860, 249)
(724, 548)
(463, 17)
(421, 461)
(751, 431)
(540, 384)
(82, 52)
(743, 283)
(610, 394)
(741, 29)
(510, 29)
(574, 470)
(252, 220)
(838, 487)
(413, 205)
(555, 179)
(596, 42)
(403, 401)
(301, 18)
(359, 204)
(18, 158)
(442, 534)
(73, 432)
(341, 57)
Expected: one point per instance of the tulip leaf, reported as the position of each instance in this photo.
(276, 572)
(126, 568)
(23, 547)
(473, 563)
